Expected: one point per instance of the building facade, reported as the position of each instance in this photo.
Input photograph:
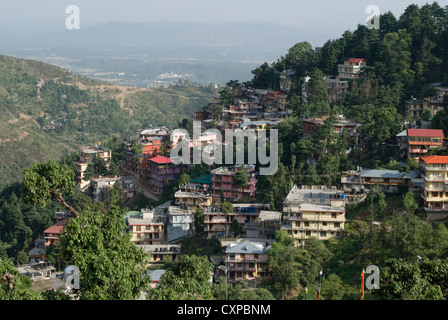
(435, 186)
(224, 180)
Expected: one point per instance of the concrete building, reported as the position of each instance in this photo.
(224, 179)
(86, 156)
(435, 186)
(391, 181)
(314, 213)
(216, 223)
(244, 258)
(179, 223)
(147, 228)
(351, 68)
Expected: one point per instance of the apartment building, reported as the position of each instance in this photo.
(419, 141)
(147, 228)
(314, 213)
(161, 172)
(86, 156)
(351, 68)
(311, 126)
(435, 186)
(224, 179)
(216, 223)
(361, 181)
(415, 107)
(243, 259)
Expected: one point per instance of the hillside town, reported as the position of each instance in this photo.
(247, 230)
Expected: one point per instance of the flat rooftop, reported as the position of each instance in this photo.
(314, 195)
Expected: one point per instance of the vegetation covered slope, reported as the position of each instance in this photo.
(47, 112)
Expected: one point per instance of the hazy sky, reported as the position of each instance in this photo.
(329, 17)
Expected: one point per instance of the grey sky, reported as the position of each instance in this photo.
(327, 17)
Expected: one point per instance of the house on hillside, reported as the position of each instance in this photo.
(245, 258)
(351, 68)
(435, 186)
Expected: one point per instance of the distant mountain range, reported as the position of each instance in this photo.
(136, 53)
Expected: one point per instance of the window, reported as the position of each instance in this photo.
(334, 215)
(323, 233)
(337, 224)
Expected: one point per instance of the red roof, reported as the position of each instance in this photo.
(355, 60)
(435, 159)
(161, 160)
(57, 227)
(425, 133)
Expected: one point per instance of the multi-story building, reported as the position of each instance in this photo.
(419, 141)
(216, 223)
(193, 199)
(162, 253)
(351, 68)
(53, 233)
(435, 186)
(391, 181)
(415, 107)
(311, 126)
(161, 172)
(179, 223)
(336, 87)
(86, 156)
(102, 187)
(243, 259)
(147, 228)
(224, 179)
(314, 213)
(286, 79)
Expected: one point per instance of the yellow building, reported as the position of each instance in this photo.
(435, 186)
(314, 213)
(194, 200)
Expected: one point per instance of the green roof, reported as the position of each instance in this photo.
(205, 178)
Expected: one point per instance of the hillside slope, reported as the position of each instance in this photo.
(47, 112)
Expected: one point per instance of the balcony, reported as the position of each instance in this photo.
(432, 168)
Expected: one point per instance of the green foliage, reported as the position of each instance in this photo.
(404, 280)
(43, 181)
(111, 266)
(187, 279)
(13, 286)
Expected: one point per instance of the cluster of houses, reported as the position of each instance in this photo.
(308, 211)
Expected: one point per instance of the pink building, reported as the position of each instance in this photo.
(224, 179)
(161, 173)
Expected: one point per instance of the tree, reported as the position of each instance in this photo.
(409, 203)
(240, 179)
(318, 90)
(404, 280)
(226, 208)
(45, 180)
(183, 179)
(187, 279)
(14, 286)
(111, 266)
